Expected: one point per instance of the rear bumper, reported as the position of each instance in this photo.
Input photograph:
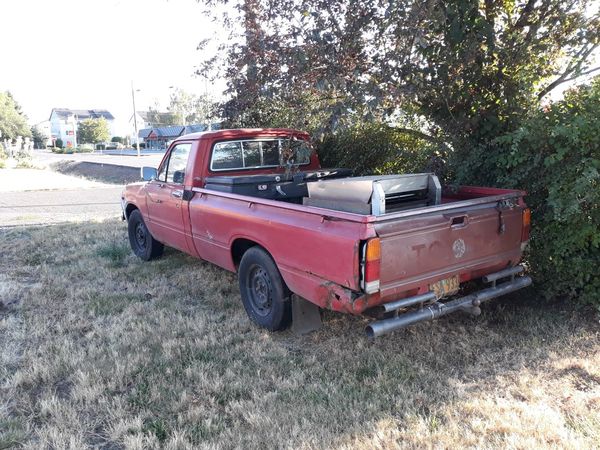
(469, 303)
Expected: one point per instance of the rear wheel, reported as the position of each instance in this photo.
(142, 243)
(264, 294)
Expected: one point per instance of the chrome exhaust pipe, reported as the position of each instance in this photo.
(469, 303)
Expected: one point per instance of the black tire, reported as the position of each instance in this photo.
(265, 296)
(141, 241)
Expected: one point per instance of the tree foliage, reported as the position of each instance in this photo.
(472, 68)
(39, 138)
(371, 147)
(188, 108)
(13, 122)
(93, 130)
(156, 118)
(555, 156)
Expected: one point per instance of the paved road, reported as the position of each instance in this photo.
(35, 197)
(46, 157)
(65, 205)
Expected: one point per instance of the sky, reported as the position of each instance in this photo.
(84, 54)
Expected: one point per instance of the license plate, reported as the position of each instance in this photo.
(444, 288)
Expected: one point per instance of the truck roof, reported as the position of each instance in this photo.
(243, 132)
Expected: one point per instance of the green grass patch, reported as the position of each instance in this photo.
(114, 252)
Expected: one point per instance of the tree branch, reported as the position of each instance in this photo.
(525, 13)
(571, 68)
(582, 74)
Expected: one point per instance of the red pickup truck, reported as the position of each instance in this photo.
(257, 202)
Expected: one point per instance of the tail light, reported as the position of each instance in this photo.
(526, 225)
(372, 266)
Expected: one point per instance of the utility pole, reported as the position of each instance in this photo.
(137, 139)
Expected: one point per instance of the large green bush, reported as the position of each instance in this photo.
(375, 148)
(555, 156)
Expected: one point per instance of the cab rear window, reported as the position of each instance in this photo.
(257, 153)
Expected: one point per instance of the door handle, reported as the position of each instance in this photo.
(177, 194)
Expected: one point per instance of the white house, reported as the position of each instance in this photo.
(64, 123)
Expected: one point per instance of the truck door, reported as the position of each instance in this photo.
(164, 197)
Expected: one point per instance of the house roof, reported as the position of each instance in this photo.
(143, 115)
(64, 113)
(174, 131)
(144, 132)
(167, 132)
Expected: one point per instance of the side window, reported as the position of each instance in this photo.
(177, 163)
(162, 171)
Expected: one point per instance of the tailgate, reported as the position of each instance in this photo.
(469, 240)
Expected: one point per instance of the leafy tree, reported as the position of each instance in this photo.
(39, 138)
(161, 119)
(190, 108)
(472, 68)
(117, 139)
(13, 122)
(93, 130)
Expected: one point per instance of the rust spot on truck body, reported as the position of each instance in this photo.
(338, 298)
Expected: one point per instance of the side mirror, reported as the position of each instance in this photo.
(148, 173)
(178, 176)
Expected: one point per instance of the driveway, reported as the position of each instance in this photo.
(39, 197)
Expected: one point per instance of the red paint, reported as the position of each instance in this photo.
(317, 250)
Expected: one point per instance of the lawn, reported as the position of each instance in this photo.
(99, 349)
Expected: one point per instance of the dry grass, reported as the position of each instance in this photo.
(99, 349)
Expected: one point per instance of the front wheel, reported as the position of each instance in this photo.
(142, 243)
(264, 294)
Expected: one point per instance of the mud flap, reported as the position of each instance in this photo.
(306, 316)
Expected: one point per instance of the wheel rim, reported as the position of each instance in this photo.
(140, 236)
(260, 290)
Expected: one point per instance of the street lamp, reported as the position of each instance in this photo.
(137, 138)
